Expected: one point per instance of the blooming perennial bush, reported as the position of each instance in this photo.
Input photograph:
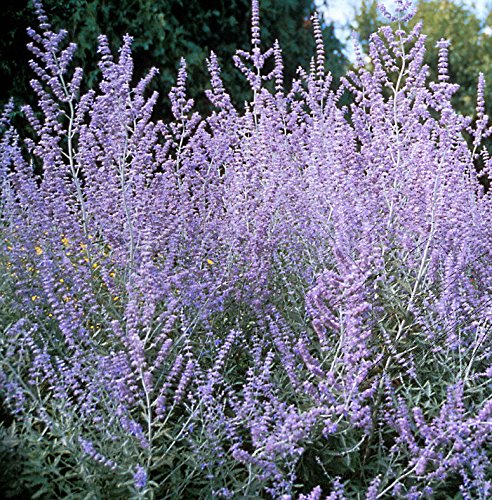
(293, 300)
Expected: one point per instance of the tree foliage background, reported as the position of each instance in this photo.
(164, 31)
(471, 43)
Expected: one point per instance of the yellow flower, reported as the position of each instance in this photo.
(65, 241)
(38, 250)
(34, 297)
(210, 262)
(115, 299)
(112, 274)
(62, 280)
(95, 266)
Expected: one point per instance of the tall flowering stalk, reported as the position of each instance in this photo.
(290, 299)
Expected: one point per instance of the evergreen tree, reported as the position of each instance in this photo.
(164, 31)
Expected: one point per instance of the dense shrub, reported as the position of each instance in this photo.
(290, 300)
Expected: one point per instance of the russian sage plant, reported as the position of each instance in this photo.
(290, 300)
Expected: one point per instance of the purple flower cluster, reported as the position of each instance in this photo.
(240, 299)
